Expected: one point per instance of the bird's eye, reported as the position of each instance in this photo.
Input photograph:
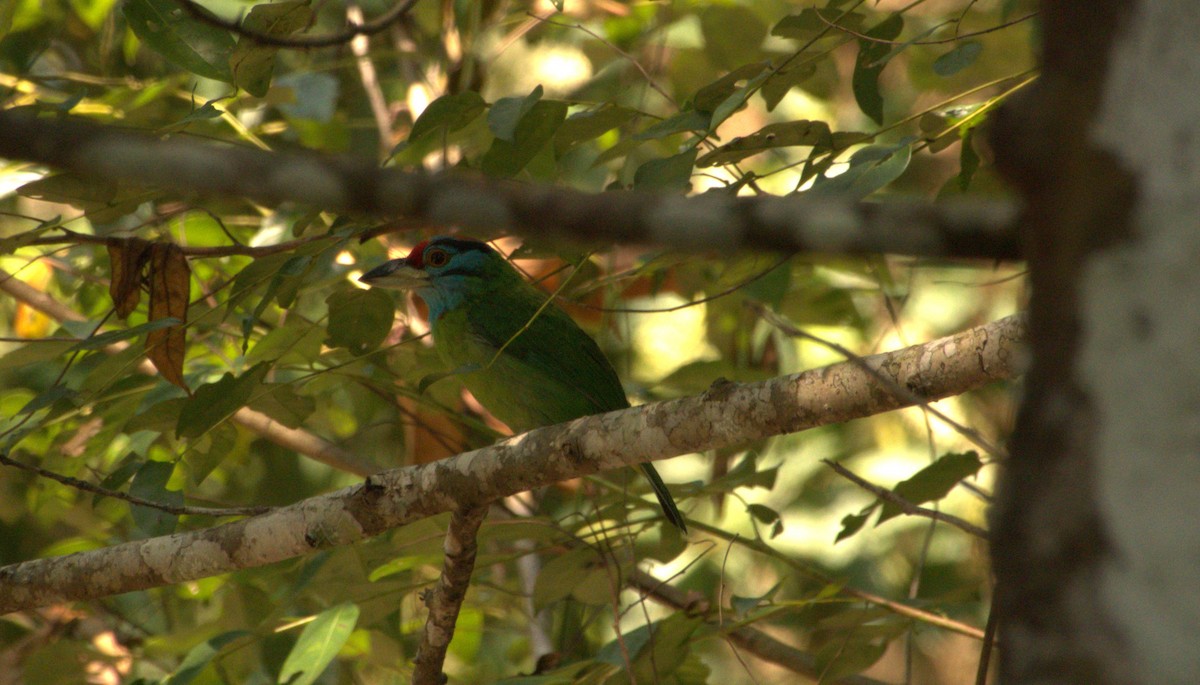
(436, 257)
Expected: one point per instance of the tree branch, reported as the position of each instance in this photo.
(447, 597)
(725, 415)
(711, 221)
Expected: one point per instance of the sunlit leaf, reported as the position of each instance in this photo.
(934, 481)
(448, 113)
(318, 645)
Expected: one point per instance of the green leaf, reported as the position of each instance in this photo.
(852, 523)
(46, 398)
(784, 134)
(589, 124)
(252, 62)
(280, 402)
(212, 403)
(150, 483)
(207, 453)
(872, 58)
(738, 99)
(813, 22)
(506, 157)
(733, 34)
(96, 342)
(448, 113)
(562, 574)
(689, 120)
(782, 81)
(871, 168)
(962, 56)
(708, 98)
(185, 42)
(506, 114)
(201, 656)
(742, 605)
(318, 645)
(655, 651)
(968, 160)
(934, 481)
(359, 320)
(672, 173)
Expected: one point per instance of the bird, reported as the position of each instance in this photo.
(522, 357)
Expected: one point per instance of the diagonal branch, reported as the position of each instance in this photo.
(727, 414)
(711, 221)
(447, 597)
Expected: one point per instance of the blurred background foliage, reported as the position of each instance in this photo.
(867, 99)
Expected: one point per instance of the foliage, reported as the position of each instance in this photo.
(238, 305)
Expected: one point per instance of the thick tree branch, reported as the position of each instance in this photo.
(727, 414)
(712, 221)
(447, 596)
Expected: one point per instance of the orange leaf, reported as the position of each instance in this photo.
(126, 257)
(170, 280)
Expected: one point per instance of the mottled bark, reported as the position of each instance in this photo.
(711, 221)
(1095, 545)
(728, 414)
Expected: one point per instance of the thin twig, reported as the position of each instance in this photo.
(750, 639)
(76, 238)
(989, 642)
(360, 46)
(903, 504)
(376, 25)
(940, 41)
(181, 510)
(608, 44)
(445, 600)
(898, 608)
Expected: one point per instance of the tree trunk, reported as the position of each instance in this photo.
(1097, 545)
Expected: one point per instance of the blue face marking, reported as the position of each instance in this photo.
(462, 275)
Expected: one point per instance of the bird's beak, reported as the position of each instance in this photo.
(395, 275)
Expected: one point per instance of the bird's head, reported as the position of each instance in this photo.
(443, 271)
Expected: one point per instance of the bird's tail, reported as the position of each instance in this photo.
(664, 497)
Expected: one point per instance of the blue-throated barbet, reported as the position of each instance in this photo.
(547, 371)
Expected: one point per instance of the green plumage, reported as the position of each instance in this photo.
(549, 370)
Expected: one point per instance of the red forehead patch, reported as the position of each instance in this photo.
(416, 258)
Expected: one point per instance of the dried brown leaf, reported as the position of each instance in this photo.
(126, 256)
(170, 280)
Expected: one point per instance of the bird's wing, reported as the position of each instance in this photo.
(551, 348)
